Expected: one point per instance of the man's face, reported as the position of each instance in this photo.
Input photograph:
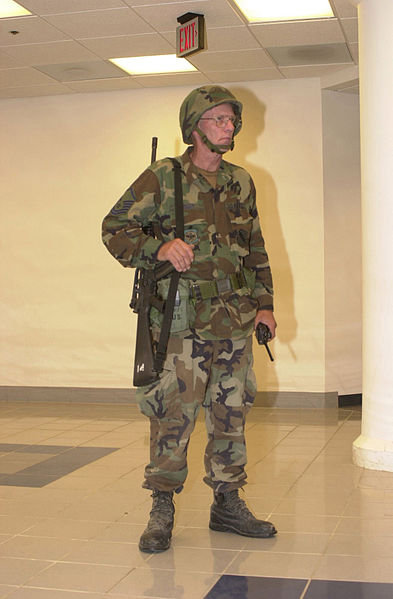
(218, 135)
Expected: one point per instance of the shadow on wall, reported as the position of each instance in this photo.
(254, 112)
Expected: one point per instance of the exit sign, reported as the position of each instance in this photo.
(190, 34)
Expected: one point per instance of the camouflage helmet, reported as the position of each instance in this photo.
(202, 99)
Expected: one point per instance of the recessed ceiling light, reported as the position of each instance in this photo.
(257, 11)
(9, 8)
(148, 65)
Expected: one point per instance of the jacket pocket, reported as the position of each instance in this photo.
(240, 227)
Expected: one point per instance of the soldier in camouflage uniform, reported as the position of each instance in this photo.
(225, 290)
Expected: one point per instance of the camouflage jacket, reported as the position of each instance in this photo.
(223, 225)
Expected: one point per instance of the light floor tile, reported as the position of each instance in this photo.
(166, 584)
(290, 542)
(303, 523)
(366, 568)
(5, 590)
(342, 544)
(67, 529)
(204, 537)
(365, 509)
(31, 593)
(284, 565)
(120, 532)
(105, 553)
(82, 577)
(316, 507)
(36, 548)
(190, 559)
(367, 526)
(192, 518)
(18, 571)
(16, 525)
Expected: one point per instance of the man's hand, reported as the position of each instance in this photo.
(267, 317)
(178, 252)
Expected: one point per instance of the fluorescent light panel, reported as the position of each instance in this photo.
(9, 8)
(257, 11)
(149, 65)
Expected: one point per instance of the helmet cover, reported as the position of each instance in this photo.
(199, 101)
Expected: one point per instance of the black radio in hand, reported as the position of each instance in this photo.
(263, 335)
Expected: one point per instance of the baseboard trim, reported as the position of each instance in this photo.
(296, 399)
(68, 394)
(264, 399)
(354, 399)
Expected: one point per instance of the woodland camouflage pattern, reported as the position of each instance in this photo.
(217, 375)
(222, 224)
(202, 99)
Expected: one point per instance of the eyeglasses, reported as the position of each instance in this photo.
(222, 121)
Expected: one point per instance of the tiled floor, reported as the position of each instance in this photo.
(72, 510)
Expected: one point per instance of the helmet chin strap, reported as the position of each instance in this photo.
(214, 147)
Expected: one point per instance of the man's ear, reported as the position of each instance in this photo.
(196, 138)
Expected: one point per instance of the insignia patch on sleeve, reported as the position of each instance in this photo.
(191, 236)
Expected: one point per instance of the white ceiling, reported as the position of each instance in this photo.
(64, 46)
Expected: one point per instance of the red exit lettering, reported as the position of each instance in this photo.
(187, 37)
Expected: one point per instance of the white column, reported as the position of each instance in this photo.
(374, 447)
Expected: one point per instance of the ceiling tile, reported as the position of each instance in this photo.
(78, 71)
(310, 55)
(186, 3)
(244, 75)
(104, 85)
(32, 30)
(100, 23)
(324, 31)
(217, 14)
(147, 44)
(21, 77)
(310, 71)
(344, 8)
(230, 38)
(7, 61)
(35, 90)
(53, 7)
(350, 27)
(239, 59)
(173, 79)
(55, 52)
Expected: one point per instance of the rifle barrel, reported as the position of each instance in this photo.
(154, 141)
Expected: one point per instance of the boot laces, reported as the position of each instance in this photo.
(236, 504)
(162, 509)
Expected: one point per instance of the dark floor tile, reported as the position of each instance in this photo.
(68, 461)
(56, 449)
(256, 587)
(24, 480)
(342, 589)
(7, 447)
(48, 470)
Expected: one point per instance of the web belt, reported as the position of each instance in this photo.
(210, 289)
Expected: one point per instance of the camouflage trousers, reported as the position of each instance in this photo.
(217, 375)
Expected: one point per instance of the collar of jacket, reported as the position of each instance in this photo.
(194, 176)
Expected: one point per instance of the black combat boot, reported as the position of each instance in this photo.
(229, 513)
(157, 535)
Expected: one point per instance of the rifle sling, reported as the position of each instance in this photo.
(162, 345)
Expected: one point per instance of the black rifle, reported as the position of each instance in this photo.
(149, 360)
(263, 335)
(143, 298)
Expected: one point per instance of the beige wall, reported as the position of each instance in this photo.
(342, 221)
(65, 316)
